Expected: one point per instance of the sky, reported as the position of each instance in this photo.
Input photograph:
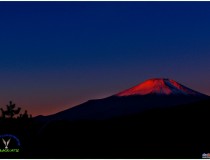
(55, 55)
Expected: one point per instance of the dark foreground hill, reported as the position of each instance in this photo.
(170, 132)
(179, 132)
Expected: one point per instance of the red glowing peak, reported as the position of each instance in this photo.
(159, 86)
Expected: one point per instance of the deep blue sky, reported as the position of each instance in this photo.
(54, 55)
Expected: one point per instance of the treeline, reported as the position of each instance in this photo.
(13, 112)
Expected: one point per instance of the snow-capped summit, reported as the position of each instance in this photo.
(159, 86)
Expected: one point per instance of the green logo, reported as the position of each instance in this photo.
(10, 143)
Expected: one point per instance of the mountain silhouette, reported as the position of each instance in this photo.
(159, 118)
(153, 93)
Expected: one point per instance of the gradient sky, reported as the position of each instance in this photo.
(54, 55)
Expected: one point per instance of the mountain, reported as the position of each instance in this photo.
(155, 119)
(151, 94)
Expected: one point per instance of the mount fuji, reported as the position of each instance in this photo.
(154, 119)
(151, 94)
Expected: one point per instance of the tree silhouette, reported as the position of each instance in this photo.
(10, 111)
(25, 115)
